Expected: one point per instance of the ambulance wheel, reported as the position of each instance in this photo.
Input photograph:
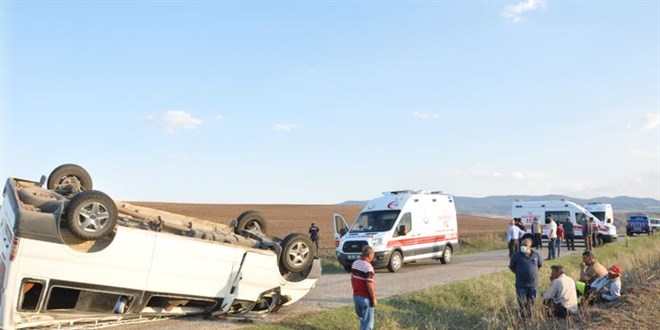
(396, 262)
(297, 252)
(91, 215)
(348, 268)
(600, 240)
(446, 255)
(69, 179)
(251, 221)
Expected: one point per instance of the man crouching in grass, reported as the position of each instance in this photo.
(561, 297)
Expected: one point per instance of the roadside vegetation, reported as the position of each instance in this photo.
(488, 302)
(471, 243)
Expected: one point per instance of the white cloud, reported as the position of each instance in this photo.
(515, 12)
(649, 122)
(425, 115)
(172, 121)
(642, 153)
(219, 117)
(285, 127)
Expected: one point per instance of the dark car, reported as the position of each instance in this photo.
(638, 224)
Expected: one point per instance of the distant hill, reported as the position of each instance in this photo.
(500, 206)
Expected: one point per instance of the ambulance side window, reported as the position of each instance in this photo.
(581, 218)
(405, 225)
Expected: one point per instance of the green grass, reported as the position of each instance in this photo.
(488, 302)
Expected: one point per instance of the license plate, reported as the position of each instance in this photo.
(351, 256)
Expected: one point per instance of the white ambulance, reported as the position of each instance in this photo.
(402, 227)
(560, 210)
(602, 211)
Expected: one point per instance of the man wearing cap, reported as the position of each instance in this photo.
(608, 287)
(561, 296)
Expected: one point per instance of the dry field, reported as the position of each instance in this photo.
(284, 219)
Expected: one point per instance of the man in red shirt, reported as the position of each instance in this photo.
(560, 237)
(364, 288)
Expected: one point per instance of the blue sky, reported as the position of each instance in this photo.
(321, 102)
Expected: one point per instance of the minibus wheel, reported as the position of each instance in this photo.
(91, 215)
(446, 255)
(396, 262)
(252, 221)
(297, 252)
(69, 179)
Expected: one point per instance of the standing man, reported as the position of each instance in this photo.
(586, 234)
(569, 234)
(364, 288)
(512, 236)
(525, 264)
(537, 230)
(561, 297)
(314, 235)
(552, 237)
(560, 237)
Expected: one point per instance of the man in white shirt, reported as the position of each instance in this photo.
(561, 297)
(512, 237)
(552, 237)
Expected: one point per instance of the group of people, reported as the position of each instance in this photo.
(596, 283)
(558, 232)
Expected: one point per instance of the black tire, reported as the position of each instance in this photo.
(252, 221)
(396, 262)
(297, 252)
(69, 179)
(348, 268)
(447, 253)
(91, 215)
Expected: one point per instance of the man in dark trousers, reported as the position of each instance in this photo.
(569, 234)
(525, 264)
(314, 235)
(587, 231)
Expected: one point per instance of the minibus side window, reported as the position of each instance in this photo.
(30, 295)
(405, 225)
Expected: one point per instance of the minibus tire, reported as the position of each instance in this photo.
(69, 179)
(251, 221)
(297, 252)
(446, 255)
(396, 262)
(96, 209)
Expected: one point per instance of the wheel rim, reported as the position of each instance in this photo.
(396, 261)
(253, 226)
(93, 217)
(298, 254)
(447, 255)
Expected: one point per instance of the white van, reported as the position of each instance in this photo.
(66, 261)
(560, 210)
(402, 227)
(602, 211)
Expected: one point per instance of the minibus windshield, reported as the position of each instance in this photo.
(374, 221)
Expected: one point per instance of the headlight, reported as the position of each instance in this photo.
(376, 241)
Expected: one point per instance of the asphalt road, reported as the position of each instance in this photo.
(334, 290)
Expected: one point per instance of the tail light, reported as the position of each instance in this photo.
(14, 248)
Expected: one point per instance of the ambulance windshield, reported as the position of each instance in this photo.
(375, 221)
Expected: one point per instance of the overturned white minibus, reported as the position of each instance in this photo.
(70, 255)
